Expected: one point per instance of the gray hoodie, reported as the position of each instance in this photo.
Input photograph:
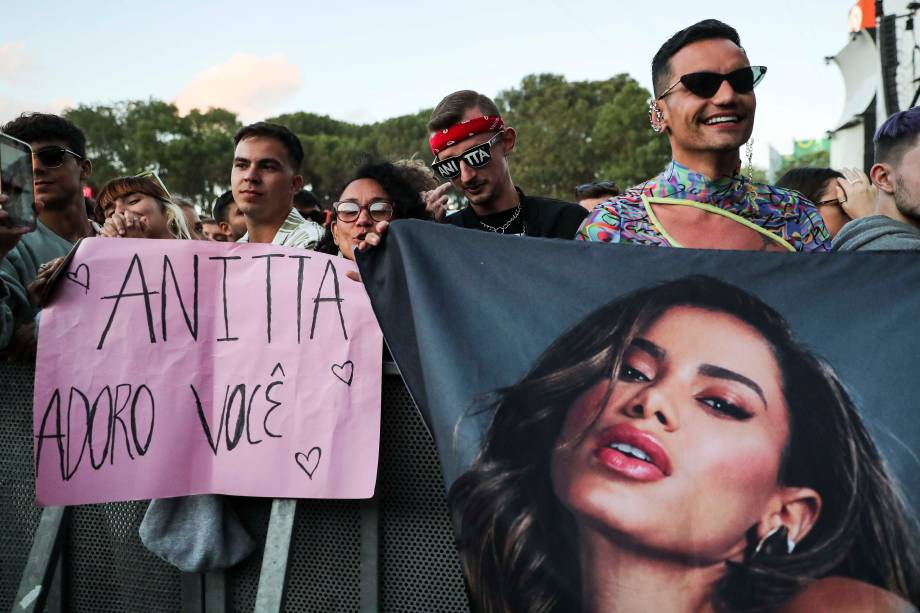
(877, 233)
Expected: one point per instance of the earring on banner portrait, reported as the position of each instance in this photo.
(655, 116)
(775, 543)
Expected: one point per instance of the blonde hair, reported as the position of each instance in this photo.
(148, 186)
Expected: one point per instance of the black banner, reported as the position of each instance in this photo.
(609, 414)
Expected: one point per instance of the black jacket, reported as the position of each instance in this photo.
(544, 217)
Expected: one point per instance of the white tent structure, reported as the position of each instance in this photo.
(881, 73)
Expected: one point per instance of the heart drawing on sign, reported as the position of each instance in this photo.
(80, 279)
(303, 460)
(344, 371)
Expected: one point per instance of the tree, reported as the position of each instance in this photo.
(819, 159)
(329, 160)
(191, 154)
(402, 137)
(573, 132)
(568, 133)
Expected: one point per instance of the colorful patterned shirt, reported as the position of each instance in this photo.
(295, 232)
(782, 212)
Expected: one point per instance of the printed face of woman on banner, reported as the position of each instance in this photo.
(679, 429)
(684, 456)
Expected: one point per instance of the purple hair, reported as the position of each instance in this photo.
(896, 135)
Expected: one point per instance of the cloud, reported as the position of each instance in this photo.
(12, 107)
(254, 87)
(16, 64)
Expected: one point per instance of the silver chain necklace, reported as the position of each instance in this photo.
(501, 229)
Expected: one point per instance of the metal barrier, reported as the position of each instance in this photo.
(393, 553)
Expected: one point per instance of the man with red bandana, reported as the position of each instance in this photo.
(704, 101)
(471, 144)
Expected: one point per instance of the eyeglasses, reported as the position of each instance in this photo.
(831, 202)
(53, 156)
(706, 84)
(379, 210)
(475, 157)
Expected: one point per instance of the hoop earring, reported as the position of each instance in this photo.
(655, 116)
(775, 543)
(749, 153)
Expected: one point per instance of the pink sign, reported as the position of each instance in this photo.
(168, 368)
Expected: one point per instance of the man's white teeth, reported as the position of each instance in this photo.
(630, 450)
(723, 119)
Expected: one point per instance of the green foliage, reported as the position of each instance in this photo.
(568, 133)
(575, 132)
(333, 149)
(191, 154)
(818, 159)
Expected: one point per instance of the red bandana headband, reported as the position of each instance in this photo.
(461, 131)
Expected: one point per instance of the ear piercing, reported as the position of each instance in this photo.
(655, 116)
(775, 542)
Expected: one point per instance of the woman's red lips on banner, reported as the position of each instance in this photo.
(633, 453)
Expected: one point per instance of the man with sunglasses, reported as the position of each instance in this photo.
(60, 171)
(471, 145)
(704, 101)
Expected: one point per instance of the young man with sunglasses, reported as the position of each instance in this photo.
(704, 102)
(471, 145)
(60, 171)
(264, 179)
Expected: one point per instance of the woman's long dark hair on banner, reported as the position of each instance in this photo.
(520, 544)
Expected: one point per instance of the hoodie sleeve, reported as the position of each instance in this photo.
(877, 233)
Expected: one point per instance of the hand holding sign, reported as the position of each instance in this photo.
(186, 377)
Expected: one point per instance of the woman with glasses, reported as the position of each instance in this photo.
(378, 191)
(822, 188)
(140, 207)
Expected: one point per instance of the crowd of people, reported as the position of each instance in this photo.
(703, 103)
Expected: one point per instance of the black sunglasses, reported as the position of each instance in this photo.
(347, 211)
(475, 157)
(53, 156)
(706, 84)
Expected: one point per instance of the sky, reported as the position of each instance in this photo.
(364, 61)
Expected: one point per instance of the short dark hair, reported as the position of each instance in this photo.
(896, 136)
(395, 181)
(597, 189)
(450, 110)
(307, 198)
(703, 30)
(32, 127)
(280, 133)
(209, 220)
(221, 208)
(808, 181)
